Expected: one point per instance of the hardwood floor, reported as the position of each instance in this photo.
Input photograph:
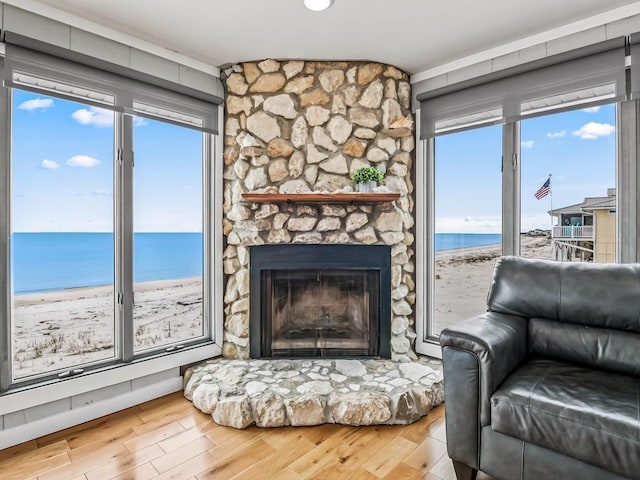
(168, 438)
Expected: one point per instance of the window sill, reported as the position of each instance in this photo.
(34, 395)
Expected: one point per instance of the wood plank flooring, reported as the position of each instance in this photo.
(168, 438)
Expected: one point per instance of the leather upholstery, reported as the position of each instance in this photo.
(598, 295)
(498, 341)
(509, 458)
(555, 367)
(602, 348)
(463, 382)
(584, 413)
(524, 288)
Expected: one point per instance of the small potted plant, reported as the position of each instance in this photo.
(367, 178)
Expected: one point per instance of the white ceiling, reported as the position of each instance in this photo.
(414, 35)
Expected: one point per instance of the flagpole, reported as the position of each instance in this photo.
(551, 200)
(551, 215)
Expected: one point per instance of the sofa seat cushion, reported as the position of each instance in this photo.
(587, 414)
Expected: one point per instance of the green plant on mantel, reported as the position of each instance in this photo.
(368, 174)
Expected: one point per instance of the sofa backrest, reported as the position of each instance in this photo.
(583, 313)
(604, 348)
(593, 294)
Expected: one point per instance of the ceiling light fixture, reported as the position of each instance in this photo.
(318, 5)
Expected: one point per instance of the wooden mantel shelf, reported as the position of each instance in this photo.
(320, 197)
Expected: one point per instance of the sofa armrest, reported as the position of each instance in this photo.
(477, 356)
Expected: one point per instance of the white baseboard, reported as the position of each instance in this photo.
(44, 426)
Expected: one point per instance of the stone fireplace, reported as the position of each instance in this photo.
(330, 284)
(320, 301)
(306, 126)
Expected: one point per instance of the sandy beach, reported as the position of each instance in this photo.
(463, 276)
(74, 326)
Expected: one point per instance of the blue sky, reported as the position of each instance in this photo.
(577, 148)
(62, 161)
(62, 170)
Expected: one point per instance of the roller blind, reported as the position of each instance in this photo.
(39, 71)
(634, 46)
(589, 76)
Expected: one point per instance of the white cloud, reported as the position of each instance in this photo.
(559, 134)
(83, 161)
(49, 165)
(538, 220)
(36, 104)
(96, 116)
(478, 224)
(527, 143)
(594, 130)
(139, 122)
(591, 109)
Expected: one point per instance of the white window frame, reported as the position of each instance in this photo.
(627, 222)
(22, 394)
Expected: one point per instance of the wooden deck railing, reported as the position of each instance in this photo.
(565, 231)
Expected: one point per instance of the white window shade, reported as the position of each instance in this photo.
(487, 117)
(161, 113)
(37, 71)
(635, 65)
(588, 76)
(587, 96)
(25, 80)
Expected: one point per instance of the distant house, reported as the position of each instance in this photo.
(587, 230)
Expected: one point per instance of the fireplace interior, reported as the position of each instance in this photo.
(320, 301)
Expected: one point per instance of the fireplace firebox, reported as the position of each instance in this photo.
(320, 301)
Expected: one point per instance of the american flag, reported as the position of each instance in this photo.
(544, 190)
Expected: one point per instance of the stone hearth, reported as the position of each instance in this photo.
(275, 393)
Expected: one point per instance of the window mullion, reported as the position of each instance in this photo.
(511, 161)
(5, 187)
(125, 258)
(215, 287)
(628, 180)
(429, 245)
(208, 212)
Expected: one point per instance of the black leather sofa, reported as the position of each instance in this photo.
(546, 384)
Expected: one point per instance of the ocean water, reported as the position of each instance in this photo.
(52, 261)
(452, 241)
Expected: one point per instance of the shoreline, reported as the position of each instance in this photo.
(63, 294)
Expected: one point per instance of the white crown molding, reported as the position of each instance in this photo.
(38, 8)
(537, 39)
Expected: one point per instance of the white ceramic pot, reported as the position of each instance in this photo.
(366, 187)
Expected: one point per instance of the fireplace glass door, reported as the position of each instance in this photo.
(310, 313)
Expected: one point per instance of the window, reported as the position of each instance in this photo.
(62, 236)
(468, 222)
(576, 152)
(167, 239)
(564, 118)
(108, 219)
(476, 203)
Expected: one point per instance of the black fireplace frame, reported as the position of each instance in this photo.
(314, 256)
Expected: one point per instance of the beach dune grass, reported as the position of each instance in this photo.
(71, 327)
